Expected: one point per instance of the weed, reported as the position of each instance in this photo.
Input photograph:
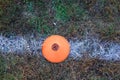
(77, 12)
(1, 11)
(2, 65)
(30, 6)
(40, 25)
(61, 10)
(98, 78)
(64, 11)
(9, 10)
(6, 63)
(110, 30)
(9, 77)
(109, 33)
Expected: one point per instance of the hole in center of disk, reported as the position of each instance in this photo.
(55, 47)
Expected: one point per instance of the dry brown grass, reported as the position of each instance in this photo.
(34, 67)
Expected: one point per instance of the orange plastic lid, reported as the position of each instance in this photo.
(55, 48)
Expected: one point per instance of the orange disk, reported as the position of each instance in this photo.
(55, 48)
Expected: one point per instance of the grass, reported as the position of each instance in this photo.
(61, 10)
(2, 65)
(69, 18)
(65, 11)
(25, 67)
(51, 17)
(7, 69)
(48, 17)
(40, 25)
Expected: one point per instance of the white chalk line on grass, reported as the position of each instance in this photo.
(93, 46)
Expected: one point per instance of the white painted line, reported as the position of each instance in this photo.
(93, 47)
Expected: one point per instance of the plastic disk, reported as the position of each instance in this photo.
(55, 48)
